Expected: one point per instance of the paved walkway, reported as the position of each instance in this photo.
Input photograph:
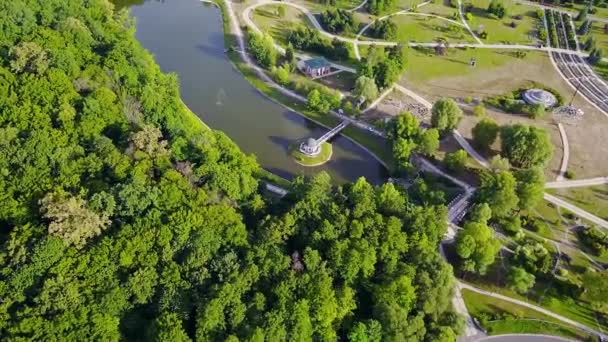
(576, 210)
(459, 306)
(464, 21)
(576, 183)
(566, 152)
(533, 307)
(378, 100)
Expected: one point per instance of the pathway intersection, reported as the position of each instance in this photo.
(459, 206)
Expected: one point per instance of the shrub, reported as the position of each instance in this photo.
(479, 111)
(384, 29)
(468, 100)
(456, 161)
(497, 8)
(569, 174)
(538, 111)
(280, 74)
(338, 21)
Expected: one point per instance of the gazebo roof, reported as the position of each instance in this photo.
(540, 96)
(317, 63)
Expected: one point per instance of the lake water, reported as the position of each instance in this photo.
(186, 38)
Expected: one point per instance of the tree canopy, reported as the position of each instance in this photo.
(125, 218)
(526, 146)
(445, 114)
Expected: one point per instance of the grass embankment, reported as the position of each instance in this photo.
(593, 199)
(515, 319)
(375, 145)
(323, 157)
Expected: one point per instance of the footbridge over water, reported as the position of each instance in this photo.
(311, 147)
(333, 132)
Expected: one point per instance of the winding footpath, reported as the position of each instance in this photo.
(471, 331)
(466, 24)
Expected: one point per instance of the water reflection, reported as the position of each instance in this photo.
(187, 38)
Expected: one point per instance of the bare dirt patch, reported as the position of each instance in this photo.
(396, 103)
(588, 149)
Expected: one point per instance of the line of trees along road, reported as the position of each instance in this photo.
(122, 218)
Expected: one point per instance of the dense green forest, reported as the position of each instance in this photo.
(122, 217)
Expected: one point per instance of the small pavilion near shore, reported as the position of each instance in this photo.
(315, 67)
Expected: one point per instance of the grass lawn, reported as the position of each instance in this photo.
(407, 4)
(601, 38)
(593, 199)
(267, 20)
(419, 28)
(343, 81)
(323, 157)
(424, 65)
(601, 69)
(318, 6)
(441, 8)
(479, 304)
(499, 30)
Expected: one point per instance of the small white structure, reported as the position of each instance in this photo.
(310, 147)
(315, 67)
(539, 96)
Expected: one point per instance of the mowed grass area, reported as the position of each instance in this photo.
(342, 81)
(441, 8)
(601, 37)
(522, 320)
(407, 4)
(320, 6)
(420, 28)
(499, 30)
(593, 199)
(267, 19)
(424, 64)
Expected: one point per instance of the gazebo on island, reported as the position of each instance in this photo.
(310, 147)
(315, 67)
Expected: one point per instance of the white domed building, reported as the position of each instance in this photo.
(539, 96)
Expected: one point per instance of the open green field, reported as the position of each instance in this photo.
(320, 6)
(267, 19)
(441, 8)
(407, 4)
(593, 199)
(521, 320)
(499, 30)
(424, 64)
(601, 38)
(419, 28)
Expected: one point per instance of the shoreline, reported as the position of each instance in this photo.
(228, 43)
